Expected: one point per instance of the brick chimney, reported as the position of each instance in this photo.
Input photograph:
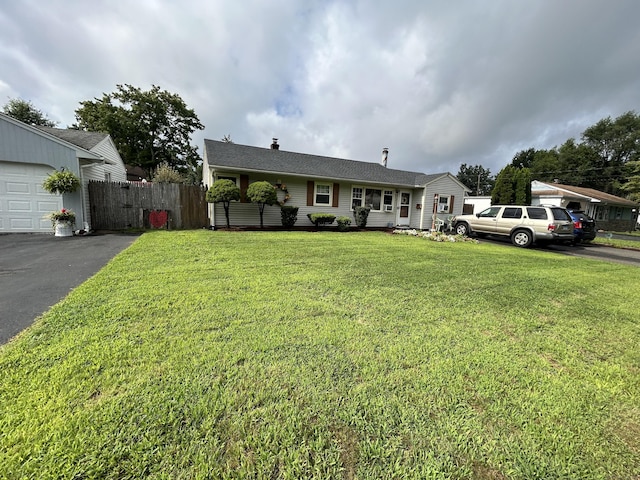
(274, 145)
(385, 154)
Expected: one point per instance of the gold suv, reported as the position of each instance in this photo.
(523, 224)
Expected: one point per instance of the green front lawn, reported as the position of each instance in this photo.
(326, 355)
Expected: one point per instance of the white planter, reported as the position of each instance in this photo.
(64, 229)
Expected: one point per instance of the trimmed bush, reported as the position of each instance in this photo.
(360, 214)
(288, 215)
(321, 218)
(343, 223)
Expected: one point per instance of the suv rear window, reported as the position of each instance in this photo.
(560, 214)
(537, 213)
(512, 212)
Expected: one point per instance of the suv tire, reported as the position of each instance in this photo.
(462, 229)
(521, 238)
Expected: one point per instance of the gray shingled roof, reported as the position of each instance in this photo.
(82, 139)
(243, 157)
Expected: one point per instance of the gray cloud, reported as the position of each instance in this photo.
(439, 83)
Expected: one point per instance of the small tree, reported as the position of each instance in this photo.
(165, 173)
(223, 191)
(262, 193)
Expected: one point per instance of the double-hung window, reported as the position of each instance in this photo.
(323, 194)
(387, 200)
(356, 197)
(443, 204)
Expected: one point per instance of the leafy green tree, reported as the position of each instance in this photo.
(148, 127)
(522, 187)
(223, 191)
(262, 193)
(614, 143)
(477, 178)
(26, 112)
(513, 187)
(524, 159)
(632, 185)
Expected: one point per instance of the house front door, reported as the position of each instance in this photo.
(404, 208)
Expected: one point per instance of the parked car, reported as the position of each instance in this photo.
(524, 224)
(584, 227)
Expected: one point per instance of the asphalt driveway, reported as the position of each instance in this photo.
(37, 271)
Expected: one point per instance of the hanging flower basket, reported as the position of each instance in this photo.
(61, 181)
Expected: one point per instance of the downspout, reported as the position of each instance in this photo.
(86, 226)
(424, 199)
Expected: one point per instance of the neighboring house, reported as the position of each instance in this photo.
(476, 204)
(28, 154)
(329, 185)
(610, 212)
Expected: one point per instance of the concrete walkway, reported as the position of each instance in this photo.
(38, 270)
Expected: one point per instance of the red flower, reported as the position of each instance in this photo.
(64, 210)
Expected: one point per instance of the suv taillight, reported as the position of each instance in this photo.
(551, 227)
(577, 224)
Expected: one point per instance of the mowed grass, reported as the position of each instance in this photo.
(326, 355)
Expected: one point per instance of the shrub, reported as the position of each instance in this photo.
(343, 223)
(61, 181)
(321, 218)
(360, 215)
(289, 215)
(165, 173)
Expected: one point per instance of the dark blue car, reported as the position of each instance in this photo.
(584, 227)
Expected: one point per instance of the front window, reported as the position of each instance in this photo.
(373, 198)
(443, 204)
(323, 194)
(387, 200)
(356, 197)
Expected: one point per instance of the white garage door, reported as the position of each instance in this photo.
(23, 202)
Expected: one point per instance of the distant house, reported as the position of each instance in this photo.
(29, 154)
(609, 211)
(330, 185)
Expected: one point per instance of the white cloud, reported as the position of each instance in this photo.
(439, 83)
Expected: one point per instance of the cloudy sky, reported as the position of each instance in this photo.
(438, 82)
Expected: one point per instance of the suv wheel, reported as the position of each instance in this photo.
(521, 238)
(462, 229)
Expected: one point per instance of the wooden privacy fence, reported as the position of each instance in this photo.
(122, 205)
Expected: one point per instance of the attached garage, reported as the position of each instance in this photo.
(23, 203)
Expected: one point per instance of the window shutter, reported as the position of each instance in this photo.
(336, 194)
(451, 203)
(244, 184)
(310, 186)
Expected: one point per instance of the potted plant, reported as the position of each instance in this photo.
(61, 181)
(63, 222)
